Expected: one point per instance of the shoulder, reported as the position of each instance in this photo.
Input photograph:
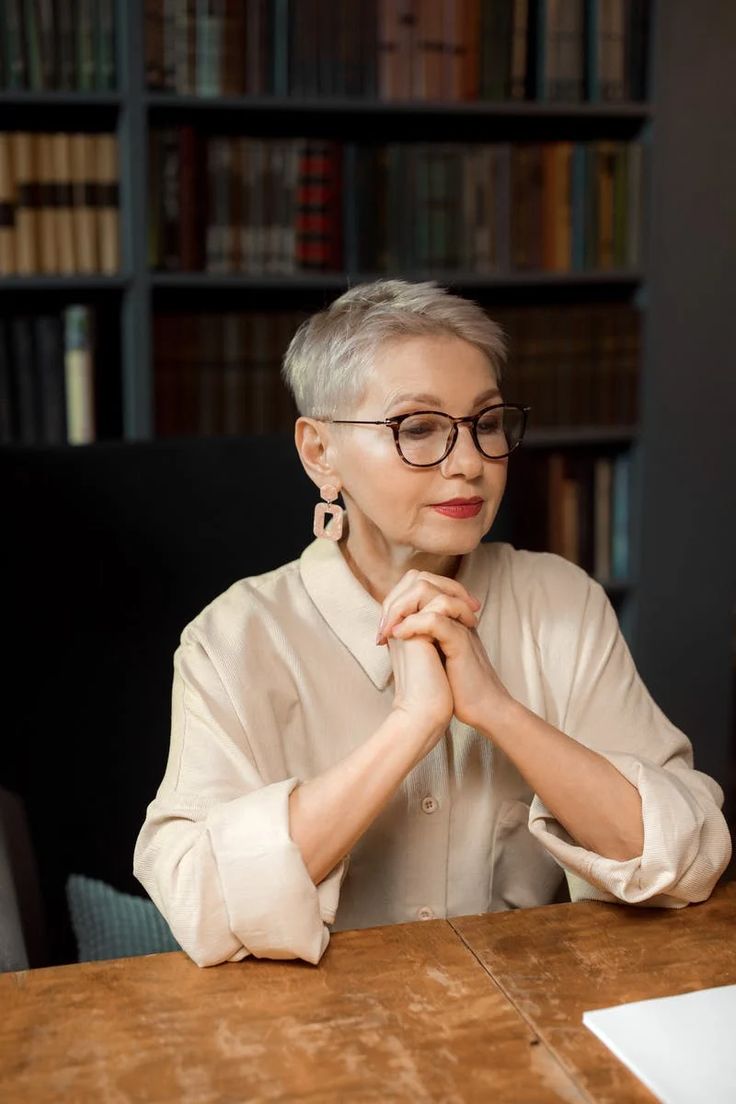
(540, 573)
(247, 601)
(545, 588)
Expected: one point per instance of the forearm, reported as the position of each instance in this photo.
(593, 801)
(329, 813)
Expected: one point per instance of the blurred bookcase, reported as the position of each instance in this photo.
(269, 155)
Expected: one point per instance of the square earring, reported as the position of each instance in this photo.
(331, 508)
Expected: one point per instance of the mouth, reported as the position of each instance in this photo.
(459, 508)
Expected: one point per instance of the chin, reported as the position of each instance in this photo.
(456, 545)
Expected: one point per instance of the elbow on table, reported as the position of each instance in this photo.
(200, 924)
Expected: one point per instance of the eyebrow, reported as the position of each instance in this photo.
(410, 396)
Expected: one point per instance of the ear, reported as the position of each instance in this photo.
(316, 451)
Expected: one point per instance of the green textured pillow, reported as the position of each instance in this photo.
(111, 924)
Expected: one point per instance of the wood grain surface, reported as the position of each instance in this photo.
(558, 961)
(396, 1013)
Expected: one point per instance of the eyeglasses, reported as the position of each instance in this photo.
(425, 437)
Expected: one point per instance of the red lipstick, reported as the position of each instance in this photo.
(459, 507)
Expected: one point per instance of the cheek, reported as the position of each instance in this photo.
(386, 489)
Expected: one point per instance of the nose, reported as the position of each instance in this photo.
(464, 456)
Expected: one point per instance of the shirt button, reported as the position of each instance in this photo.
(425, 913)
(428, 804)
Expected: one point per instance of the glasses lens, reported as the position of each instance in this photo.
(423, 437)
(500, 430)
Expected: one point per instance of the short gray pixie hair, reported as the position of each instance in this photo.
(330, 357)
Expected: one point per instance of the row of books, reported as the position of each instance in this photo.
(58, 203)
(436, 50)
(575, 365)
(575, 503)
(220, 373)
(57, 45)
(47, 385)
(224, 203)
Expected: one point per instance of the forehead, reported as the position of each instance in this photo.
(430, 368)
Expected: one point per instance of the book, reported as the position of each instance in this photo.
(79, 375)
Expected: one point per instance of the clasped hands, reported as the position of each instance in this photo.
(441, 609)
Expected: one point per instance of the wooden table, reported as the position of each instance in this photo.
(476, 1008)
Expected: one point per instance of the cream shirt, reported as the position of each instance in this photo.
(279, 677)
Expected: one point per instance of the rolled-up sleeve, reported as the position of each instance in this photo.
(687, 844)
(214, 853)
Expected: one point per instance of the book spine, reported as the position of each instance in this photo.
(32, 34)
(24, 148)
(602, 513)
(8, 265)
(13, 45)
(83, 189)
(86, 68)
(105, 69)
(170, 199)
(79, 375)
(154, 44)
(50, 354)
(519, 80)
(108, 203)
(47, 216)
(24, 384)
(60, 152)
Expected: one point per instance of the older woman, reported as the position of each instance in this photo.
(405, 722)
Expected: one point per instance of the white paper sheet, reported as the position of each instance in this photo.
(683, 1048)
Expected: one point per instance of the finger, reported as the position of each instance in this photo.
(434, 625)
(424, 595)
(450, 586)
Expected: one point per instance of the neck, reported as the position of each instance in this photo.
(378, 571)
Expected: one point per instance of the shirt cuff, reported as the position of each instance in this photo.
(686, 843)
(273, 906)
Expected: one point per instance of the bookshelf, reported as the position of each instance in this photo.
(687, 246)
(134, 303)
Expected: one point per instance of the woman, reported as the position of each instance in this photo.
(405, 722)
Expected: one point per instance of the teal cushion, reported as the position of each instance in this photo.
(111, 924)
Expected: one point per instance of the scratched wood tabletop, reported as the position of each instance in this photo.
(558, 961)
(475, 1008)
(398, 1013)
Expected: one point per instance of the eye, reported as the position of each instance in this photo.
(418, 429)
(490, 423)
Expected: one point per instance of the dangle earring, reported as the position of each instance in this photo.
(330, 492)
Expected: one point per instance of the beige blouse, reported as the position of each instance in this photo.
(279, 677)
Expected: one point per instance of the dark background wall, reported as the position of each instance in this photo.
(685, 507)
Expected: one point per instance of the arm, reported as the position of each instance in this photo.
(617, 800)
(329, 813)
(594, 802)
(616, 772)
(216, 852)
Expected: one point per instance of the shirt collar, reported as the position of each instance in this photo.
(353, 614)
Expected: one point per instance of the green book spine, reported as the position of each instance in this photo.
(104, 34)
(86, 46)
(33, 48)
(11, 43)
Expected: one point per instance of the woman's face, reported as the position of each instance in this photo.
(386, 499)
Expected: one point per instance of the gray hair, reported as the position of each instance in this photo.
(330, 357)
